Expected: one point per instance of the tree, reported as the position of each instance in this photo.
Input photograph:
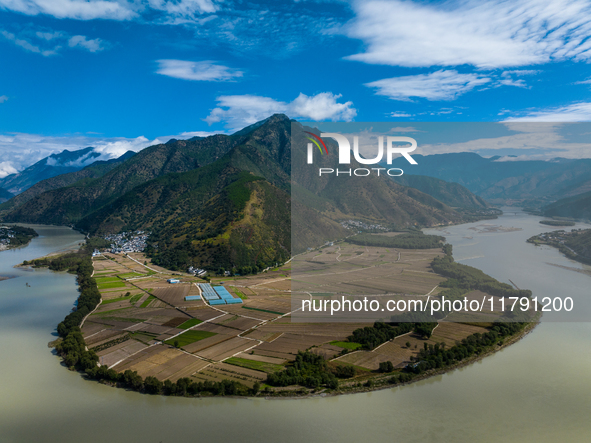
(256, 388)
(176, 343)
(408, 344)
(386, 366)
(153, 385)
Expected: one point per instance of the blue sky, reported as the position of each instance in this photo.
(121, 74)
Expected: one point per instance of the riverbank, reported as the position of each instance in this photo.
(64, 406)
(14, 236)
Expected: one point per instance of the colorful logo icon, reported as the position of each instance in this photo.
(316, 142)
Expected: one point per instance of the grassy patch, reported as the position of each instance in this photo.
(263, 310)
(189, 337)
(239, 293)
(111, 285)
(346, 345)
(147, 301)
(136, 297)
(189, 323)
(101, 280)
(256, 365)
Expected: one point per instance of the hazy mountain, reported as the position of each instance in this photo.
(225, 200)
(56, 164)
(452, 194)
(5, 195)
(578, 206)
(498, 180)
(94, 170)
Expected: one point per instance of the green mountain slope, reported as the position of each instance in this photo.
(578, 206)
(225, 201)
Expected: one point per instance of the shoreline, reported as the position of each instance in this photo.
(382, 380)
(434, 372)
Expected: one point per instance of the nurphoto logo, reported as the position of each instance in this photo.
(393, 146)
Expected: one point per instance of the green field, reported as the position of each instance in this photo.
(111, 285)
(346, 345)
(113, 300)
(256, 365)
(136, 297)
(101, 280)
(238, 293)
(189, 337)
(147, 301)
(189, 323)
(263, 310)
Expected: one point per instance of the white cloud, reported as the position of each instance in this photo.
(111, 9)
(22, 150)
(520, 83)
(49, 43)
(399, 114)
(322, 106)
(198, 71)
(183, 8)
(439, 85)
(3, 98)
(575, 112)
(6, 168)
(92, 45)
(73, 9)
(490, 34)
(528, 140)
(238, 111)
(28, 46)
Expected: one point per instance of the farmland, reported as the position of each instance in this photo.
(146, 325)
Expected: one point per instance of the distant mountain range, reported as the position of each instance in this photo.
(529, 183)
(94, 170)
(51, 166)
(5, 195)
(225, 201)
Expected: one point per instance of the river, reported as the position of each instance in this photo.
(537, 390)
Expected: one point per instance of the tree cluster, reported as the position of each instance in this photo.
(437, 356)
(308, 369)
(410, 240)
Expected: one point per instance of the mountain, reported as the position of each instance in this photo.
(56, 164)
(5, 195)
(227, 200)
(578, 206)
(94, 170)
(452, 194)
(498, 181)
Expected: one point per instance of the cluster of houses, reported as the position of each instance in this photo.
(357, 224)
(5, 235)
(128, 241)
